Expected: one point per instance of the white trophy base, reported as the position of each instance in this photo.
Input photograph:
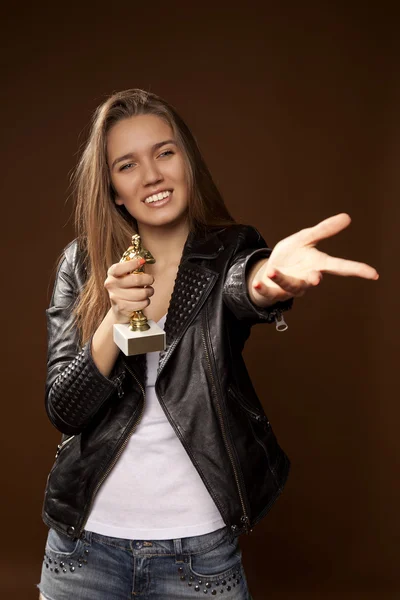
(139, 342)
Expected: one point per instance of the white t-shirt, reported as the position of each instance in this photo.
(153, 491)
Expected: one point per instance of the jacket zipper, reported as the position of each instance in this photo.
(63, 444)
(245, 518)
(121, 449)
(179, 436)
(280, 322)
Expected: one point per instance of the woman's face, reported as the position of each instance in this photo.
(144, 160)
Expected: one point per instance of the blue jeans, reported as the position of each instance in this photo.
(96, 567)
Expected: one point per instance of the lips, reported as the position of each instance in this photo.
(159, 203)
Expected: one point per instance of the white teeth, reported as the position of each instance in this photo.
(156, 197)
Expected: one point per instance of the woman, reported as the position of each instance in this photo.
(166, 458)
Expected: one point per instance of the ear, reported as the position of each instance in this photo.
(118, 201)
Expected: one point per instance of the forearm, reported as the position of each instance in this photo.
(76, 388)
(104, 349)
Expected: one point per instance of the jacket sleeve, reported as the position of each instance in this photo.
(75, 388)
(250, 248)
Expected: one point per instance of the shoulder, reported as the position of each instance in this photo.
(73, 255)
(72, 264)
(242, 236)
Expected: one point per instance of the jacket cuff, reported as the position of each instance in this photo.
(78, 392)
(236, 294)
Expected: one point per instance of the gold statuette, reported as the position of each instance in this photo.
(138, 319)
(141, 335)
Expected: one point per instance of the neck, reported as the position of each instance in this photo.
(165, 243)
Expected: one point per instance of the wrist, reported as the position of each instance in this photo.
(264, 295)
(263, 291)
(114, 317)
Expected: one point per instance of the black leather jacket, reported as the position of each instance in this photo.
(202, 385)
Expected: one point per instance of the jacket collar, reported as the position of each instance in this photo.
(203, 244)
(193, 284)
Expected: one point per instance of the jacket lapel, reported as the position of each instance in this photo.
(193, 284)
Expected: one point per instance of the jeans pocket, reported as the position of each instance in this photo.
(220, 566)
(63, 546)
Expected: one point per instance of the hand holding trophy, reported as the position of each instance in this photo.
(140, 335)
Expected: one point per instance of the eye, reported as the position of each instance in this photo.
(125, 166)
(167, 152)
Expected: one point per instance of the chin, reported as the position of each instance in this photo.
(163, 220)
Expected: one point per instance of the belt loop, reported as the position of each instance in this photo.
(86, 536)
(178, 550)
(232, 536)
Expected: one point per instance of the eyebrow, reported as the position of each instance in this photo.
(132, 154)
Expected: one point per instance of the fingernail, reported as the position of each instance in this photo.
(272, 275)
(257, 286)
(142, 261)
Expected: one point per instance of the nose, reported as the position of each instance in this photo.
(151, 173)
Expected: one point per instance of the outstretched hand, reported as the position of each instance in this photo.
(295, 264)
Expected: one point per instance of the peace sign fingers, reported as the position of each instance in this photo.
(348, 268)
(323, 230)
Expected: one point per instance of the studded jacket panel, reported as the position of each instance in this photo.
(202, 385)
(75, 388)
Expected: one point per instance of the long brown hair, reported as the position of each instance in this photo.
(104, 230)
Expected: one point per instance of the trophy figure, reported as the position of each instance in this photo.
(140, 335)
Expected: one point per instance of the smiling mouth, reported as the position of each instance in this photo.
(153, 203)
(157, 197)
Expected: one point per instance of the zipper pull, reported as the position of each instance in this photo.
(281, 324)
(119, 381)
(245, 520)
(263, 420)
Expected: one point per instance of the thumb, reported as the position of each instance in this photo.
(125, 266)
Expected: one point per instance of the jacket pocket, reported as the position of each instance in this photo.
(259, 443)
(257, 447)
(254, 413)
(60, 448)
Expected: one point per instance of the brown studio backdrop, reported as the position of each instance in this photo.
(296, 114)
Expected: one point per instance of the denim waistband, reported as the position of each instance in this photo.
(175, 547)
